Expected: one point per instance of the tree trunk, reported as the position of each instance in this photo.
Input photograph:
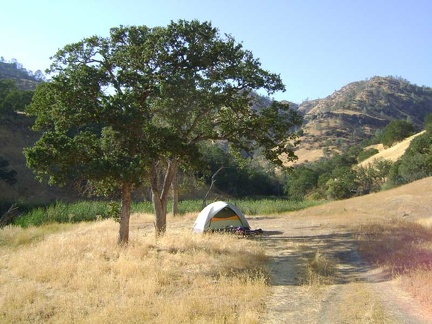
(125, 214)
(160, 213)
(160, 194)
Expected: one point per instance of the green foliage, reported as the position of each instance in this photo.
(336, 177)
(61, 212)
(169, 89)
(363, 155)
(122, 110)
(86, 211)
(372, 177)
(13, 100)
(396, 131)
(342, 184)
(239, 176)
(428, 119)
(416, 163)
(301, 182)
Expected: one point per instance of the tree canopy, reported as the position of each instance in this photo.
(396, 131)
(132, 107)
(13, 100)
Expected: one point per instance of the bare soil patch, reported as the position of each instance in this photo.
(358, 292)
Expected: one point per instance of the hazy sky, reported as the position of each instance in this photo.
(317, 46)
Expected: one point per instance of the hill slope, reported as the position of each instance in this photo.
(392, 153)
(357, 111)
(25, 80)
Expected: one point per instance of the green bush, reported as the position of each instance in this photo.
(363, 155)
(396, 131)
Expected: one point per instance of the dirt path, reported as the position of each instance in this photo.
(358, 294)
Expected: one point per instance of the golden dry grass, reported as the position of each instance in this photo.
(319, 270)
(392, 153)
(404, 250)
(81, 275)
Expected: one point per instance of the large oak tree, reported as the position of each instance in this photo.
(134, 106)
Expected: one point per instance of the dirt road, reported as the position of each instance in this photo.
(359, 293)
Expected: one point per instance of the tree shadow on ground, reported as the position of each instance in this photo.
(290, 254)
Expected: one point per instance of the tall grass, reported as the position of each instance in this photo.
(404, 250)
(61, 212)
(81, 275)
(247, 206)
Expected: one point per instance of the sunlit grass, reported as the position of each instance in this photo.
(79, 274)
(404, 250)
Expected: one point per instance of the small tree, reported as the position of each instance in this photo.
(396, 131)
(132, 107)
(13, 100)
(343, 184)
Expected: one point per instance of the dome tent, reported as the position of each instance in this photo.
(219, 215)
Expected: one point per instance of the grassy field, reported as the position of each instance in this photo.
(67, 273)
(75, 272)
(404, 250)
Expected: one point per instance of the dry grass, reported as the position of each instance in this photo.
(360, 305)
(392, 153)
(81, 275)
(404, 250)
(319, 270)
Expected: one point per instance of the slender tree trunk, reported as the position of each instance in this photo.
(125, 214)
(160, 213)
(160, 194)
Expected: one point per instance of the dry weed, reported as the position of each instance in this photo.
(404, 249)
(400, 246)
(319, 270)
(81, 275)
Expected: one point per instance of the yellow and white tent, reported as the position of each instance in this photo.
(219, 215)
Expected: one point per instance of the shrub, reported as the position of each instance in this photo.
(363, 155)
(396, 131)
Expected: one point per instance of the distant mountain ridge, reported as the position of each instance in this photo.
(25, 80)
(357, 111)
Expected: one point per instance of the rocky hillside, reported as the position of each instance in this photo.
(357, 111)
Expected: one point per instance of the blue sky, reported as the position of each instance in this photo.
(317, 46)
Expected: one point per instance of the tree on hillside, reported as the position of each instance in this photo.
(301, 182)
(12, 99)
(396, 131)
(416, 163)
(132, 107)
(428, 122)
